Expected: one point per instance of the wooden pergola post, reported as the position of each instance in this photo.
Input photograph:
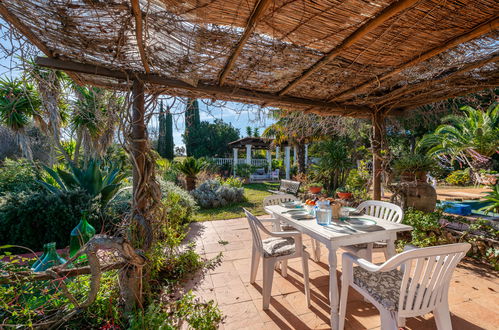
(378, 123)
(131, 275)
(138, 143)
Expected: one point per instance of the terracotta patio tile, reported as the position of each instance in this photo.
(205, 282)
(213, 247)
(291, 283)
(281, 314)
(237, 254)
(243, 315)
(476, 314)
(225, 279)
(255, 289)
(227, 266)
(361, 315)
(235, 245)
(298, 302)
(232, 294)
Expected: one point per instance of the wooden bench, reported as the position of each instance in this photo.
(287, 187)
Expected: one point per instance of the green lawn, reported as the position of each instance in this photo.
(254, 193)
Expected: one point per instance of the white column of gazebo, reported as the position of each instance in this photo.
(248, 160)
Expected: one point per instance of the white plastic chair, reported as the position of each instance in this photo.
(276, 200)
(381, 210)
(410, 284)
(281, 246)
(278, 226)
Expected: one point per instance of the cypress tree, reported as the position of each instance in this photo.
(169, 145)
(165, 138)
(162, 132)
(192, 120)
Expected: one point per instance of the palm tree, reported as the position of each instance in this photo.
(19, 104)
(94, 119)
(472, 138)
(296, 129)
(50, 85)
(191, 167)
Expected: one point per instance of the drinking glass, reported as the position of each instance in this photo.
(344, 213)
(323, 215)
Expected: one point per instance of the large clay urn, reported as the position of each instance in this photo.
(420, 196)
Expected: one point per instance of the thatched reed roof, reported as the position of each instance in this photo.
(334, 56)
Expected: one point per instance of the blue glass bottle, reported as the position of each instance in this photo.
(51, 259)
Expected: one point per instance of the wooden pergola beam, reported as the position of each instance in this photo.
(15, 22)
(478, 31)
(358, 34)
(255, 16)
(459, 92)
(409, 89)
(139, 34)
(250, 95)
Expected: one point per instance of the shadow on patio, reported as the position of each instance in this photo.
(473, 294)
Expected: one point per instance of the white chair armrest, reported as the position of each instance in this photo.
(410, 247)
(350, 259)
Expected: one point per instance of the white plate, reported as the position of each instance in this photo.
(360, 223)
(291, 205)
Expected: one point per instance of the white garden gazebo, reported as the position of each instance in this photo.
(258, 143)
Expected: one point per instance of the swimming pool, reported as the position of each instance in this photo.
(474, 207)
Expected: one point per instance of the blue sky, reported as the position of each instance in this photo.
(237, 114)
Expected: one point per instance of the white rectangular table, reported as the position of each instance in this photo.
(336, 239)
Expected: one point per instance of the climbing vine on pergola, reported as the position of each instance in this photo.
(339, 57)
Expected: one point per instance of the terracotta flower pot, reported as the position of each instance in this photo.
(419, 176)
(315, 190)
(344, 195)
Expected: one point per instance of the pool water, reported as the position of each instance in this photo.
(475, 206)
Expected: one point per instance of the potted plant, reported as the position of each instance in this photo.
(191, 167)
(413, 167)
(413, 190)
(315, 188)
(344, 193)
(244, 171)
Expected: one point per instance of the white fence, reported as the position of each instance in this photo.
(230, 161)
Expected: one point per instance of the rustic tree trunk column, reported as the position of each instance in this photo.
(131, 276)
(378, 122)
(139, 145)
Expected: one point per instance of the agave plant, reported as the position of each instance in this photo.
(191, 167)
(493, 198)
(93, 180)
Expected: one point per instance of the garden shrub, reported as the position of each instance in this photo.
(459, 177)
(32, 219)
(357, 179)
(25, 304)
(19, 176)
(244, 170)
(180, 205)
(212, 193)
(174, 315)
(233, 182)
(427, 230)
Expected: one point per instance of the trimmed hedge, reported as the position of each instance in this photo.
(33, 219)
